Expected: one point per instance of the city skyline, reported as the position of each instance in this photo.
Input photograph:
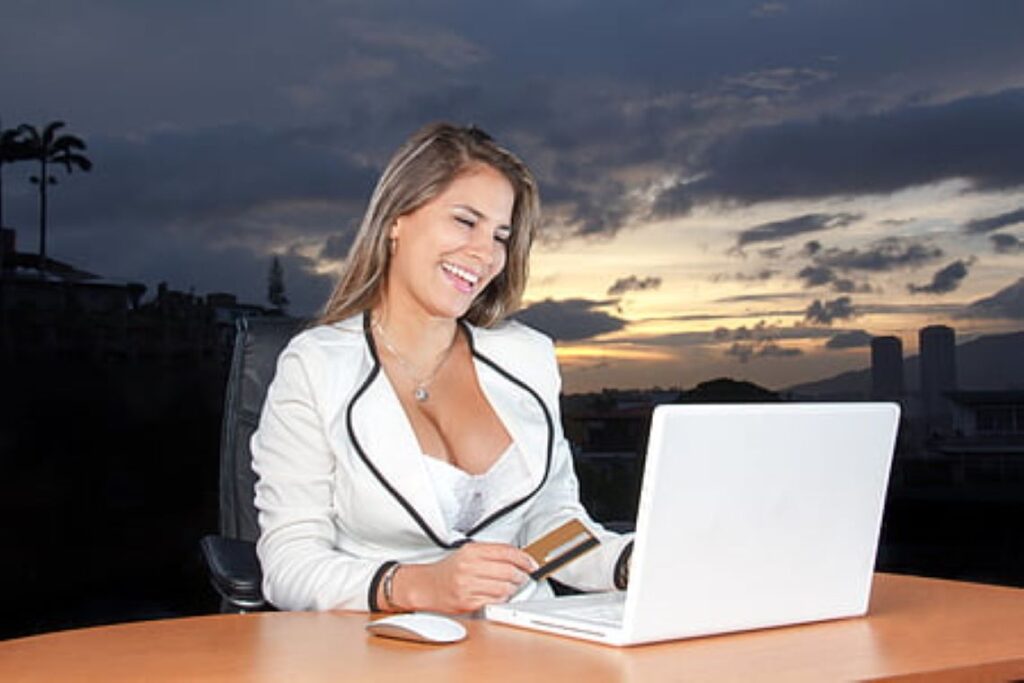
(744, 189)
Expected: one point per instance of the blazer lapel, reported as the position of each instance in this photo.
(385, 440)
(522, 411)
(524, 420)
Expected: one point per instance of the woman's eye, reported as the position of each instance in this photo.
(468, 222)
(502, 236)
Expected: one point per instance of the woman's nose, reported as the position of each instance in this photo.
(481, 245)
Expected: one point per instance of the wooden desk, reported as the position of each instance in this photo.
(918, 629)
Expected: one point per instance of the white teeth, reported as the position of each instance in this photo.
(466, 275)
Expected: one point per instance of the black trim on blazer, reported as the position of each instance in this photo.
(547, 418)
(375, 372)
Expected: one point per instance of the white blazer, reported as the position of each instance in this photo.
(343, 486)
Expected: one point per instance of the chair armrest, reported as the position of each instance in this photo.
(234, 571)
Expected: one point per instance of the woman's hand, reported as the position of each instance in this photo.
(475, 575)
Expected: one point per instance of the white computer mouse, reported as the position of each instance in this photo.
(422, 627)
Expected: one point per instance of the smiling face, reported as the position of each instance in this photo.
(450, 248)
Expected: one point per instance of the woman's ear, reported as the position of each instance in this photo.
(393, 238)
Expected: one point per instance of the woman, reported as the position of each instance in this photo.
(410, 443)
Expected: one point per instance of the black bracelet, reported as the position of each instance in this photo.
(620, 575)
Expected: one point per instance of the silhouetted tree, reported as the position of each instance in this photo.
(12, 148)
(275, 285)
(49, 148)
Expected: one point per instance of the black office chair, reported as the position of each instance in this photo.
(231, 556)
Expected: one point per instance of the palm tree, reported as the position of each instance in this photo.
(12, 148)
(49, 148)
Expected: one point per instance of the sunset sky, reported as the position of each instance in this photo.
(749, 189)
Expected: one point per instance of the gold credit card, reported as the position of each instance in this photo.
(557, 548)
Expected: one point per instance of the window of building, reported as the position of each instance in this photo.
(996, 419)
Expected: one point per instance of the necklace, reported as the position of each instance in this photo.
(419, 392)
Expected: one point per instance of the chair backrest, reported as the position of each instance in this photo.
(258, 342)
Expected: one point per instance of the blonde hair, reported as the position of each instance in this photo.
(421, 169)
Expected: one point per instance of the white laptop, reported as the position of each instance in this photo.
(751, 516)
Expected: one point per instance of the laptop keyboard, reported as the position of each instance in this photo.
(605, 612)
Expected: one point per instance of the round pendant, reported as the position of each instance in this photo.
(421, 394)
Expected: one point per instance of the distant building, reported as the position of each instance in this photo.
(887, 368)
(57, 309)
(227, 308)
(938, 375)
(54, 309)
(986, 446)
(989, 414)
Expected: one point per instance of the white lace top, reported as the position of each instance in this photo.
(464, 497)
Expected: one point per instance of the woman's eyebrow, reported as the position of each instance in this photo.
(478, 214)
(467, 207)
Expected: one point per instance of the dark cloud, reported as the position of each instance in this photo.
(755, 336)
(817, 276)
(771, 253)
(601, 214)
(945, 279)
(979, 139)
(771, 349)
(779, 230)
(677, 200)
(887, 254)
(570, 319)
(633, 284)
(336, 247)
(1004, 243)
(763, 331)
(209, 178)
(826, 312)
(744, 351)
(766, 296)
(890, 253)
(599, 98)
(847, 286)
(1006, 304)
(769, 9)
(902, 309)
(853, 339)
(983, 225)
(762, 275)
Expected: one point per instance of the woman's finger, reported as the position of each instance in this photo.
(502, 552)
